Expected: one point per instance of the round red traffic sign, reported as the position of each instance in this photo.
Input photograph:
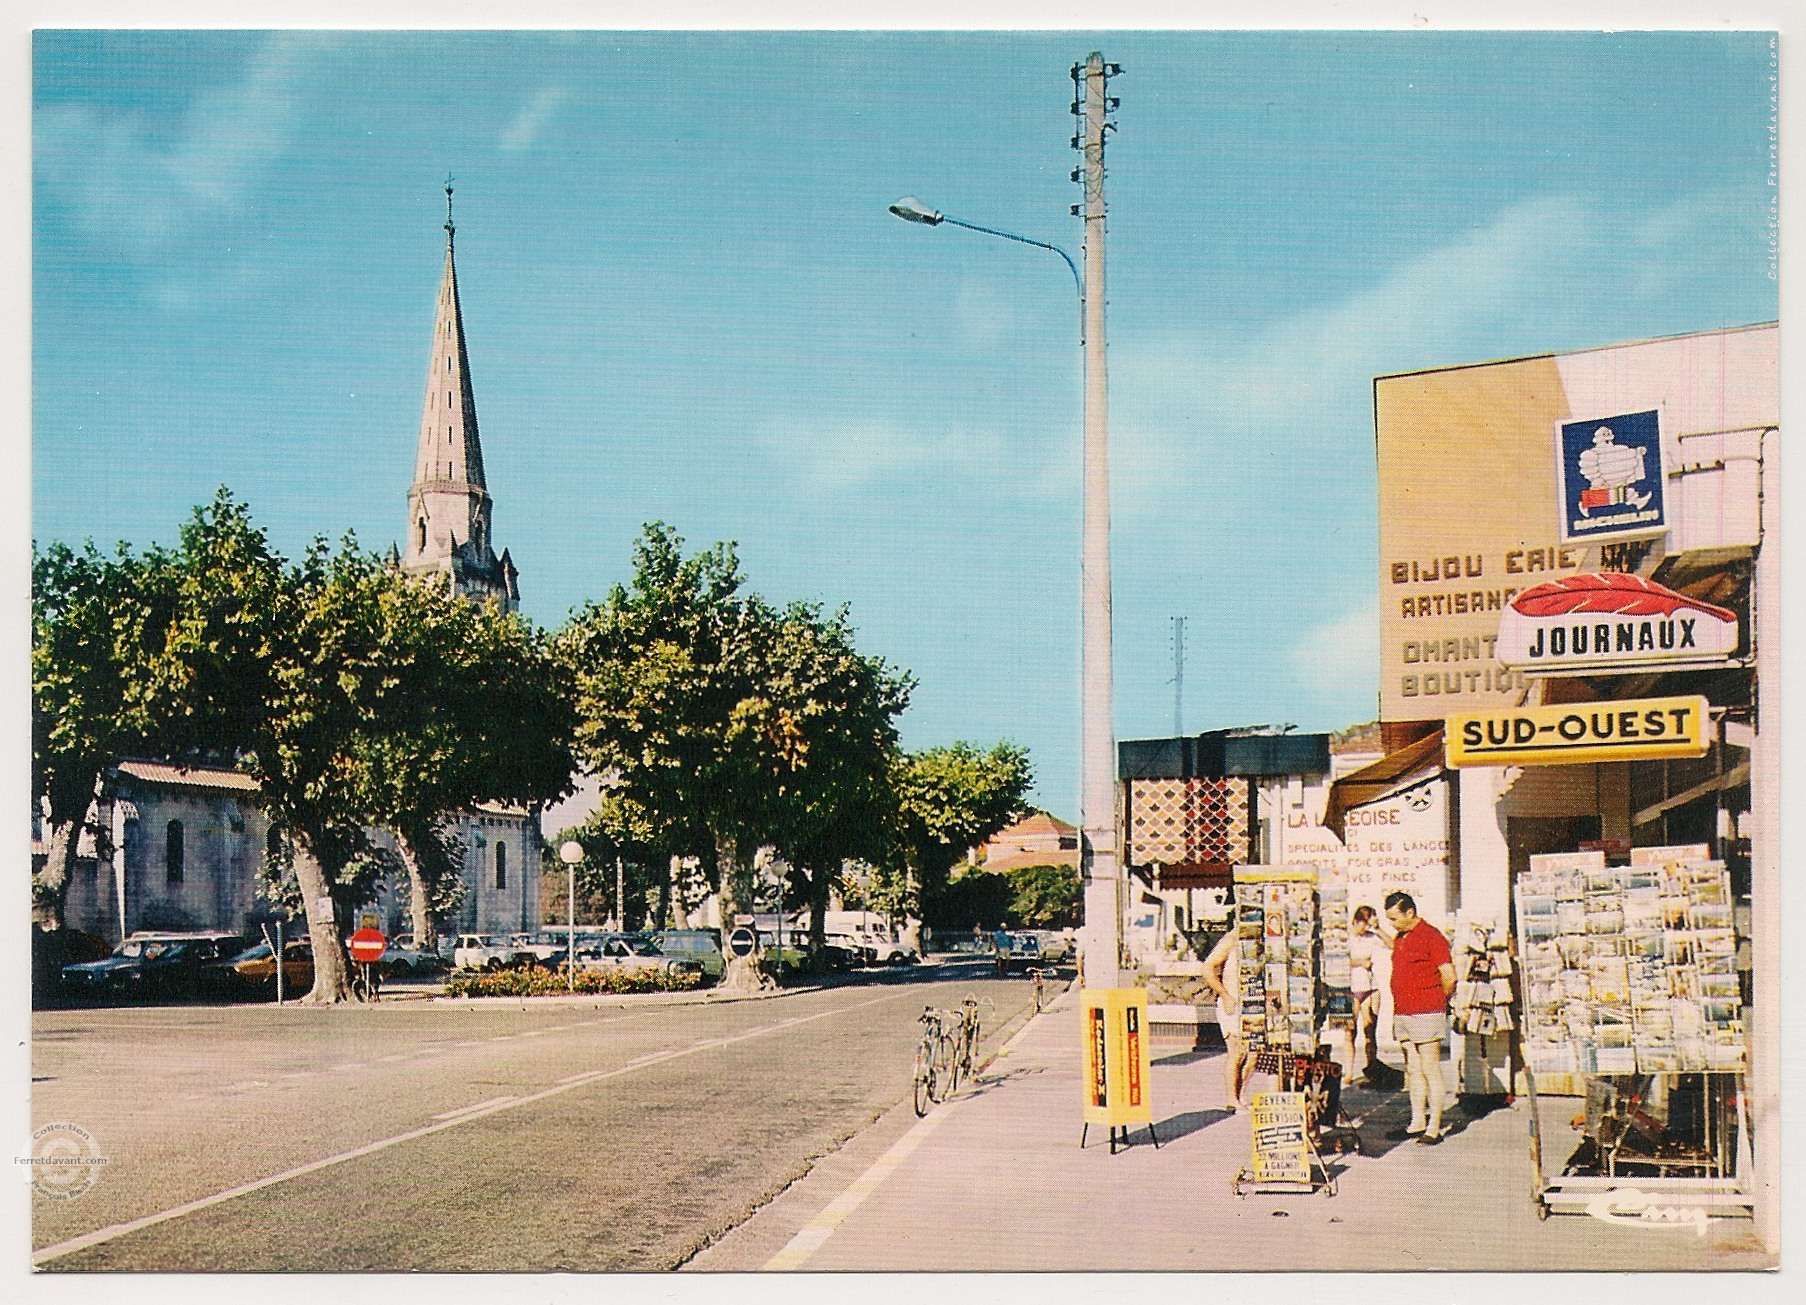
(368, 945)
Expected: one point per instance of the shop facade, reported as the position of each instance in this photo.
(1579, 645)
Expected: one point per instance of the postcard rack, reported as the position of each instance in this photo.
(1630, 987)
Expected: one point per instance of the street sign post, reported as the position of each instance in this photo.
(368, 945)
(741, 942)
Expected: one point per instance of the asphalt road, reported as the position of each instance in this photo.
(535, 1136)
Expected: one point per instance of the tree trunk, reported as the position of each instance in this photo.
(743, 973)
(420, 910)
(50, 886)
(332, 974)
(819, 883)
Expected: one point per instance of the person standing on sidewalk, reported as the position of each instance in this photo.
(1363, 950)
(1223, 976)
(1423, 976)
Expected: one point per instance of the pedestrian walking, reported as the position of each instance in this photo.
(1423, 976)
(1000, 944)
(1223, 976)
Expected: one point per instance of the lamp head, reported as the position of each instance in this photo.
(911, 209)
(571, 852)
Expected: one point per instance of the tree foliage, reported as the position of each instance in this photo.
(949, 800)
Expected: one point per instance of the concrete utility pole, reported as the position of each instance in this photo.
(1100, 856)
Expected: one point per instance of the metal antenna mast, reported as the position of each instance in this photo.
(1178, 676)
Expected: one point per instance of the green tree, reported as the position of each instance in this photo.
(949, 800)
(97, 623)
(835, 710)
(170, 653)
(1046, 896)
(669, 708)
(474, 709)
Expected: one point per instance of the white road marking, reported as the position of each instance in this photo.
(822, 1226)
(481, 1105)
(112, 1231)
(817, 1231)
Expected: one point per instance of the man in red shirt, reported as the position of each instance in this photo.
(1423, 976)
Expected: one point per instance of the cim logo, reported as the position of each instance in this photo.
(1642, 1209)
(1611, 622)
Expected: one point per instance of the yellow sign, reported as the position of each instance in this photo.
(1116, 1056)
(1636, 729)
(1281, 1151)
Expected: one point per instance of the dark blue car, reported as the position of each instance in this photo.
(154, 966)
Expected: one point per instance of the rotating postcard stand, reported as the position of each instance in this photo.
(1279, 950)
(1631, 990)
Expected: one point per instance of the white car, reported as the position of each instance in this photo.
(481, 951)
(634, 955)
(888, 951)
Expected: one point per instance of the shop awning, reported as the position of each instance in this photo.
(1194, 874)
(1391, 773)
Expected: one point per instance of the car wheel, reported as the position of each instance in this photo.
(492, 965)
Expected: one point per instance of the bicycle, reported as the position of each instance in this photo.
(966, 1035)
(933, 1055)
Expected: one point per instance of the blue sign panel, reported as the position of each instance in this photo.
(1610, 477)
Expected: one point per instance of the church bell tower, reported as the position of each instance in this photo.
(448, 503)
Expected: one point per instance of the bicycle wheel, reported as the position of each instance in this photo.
(925, 1082)
(946, 1076)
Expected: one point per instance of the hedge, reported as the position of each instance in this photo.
(536, 982)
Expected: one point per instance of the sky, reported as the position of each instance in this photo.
(685, 301)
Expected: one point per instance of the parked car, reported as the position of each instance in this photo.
(888, 951)
(1025, 951)
(1054, 947)
(482, 951)
(700, 945)
(155, 965)
(634, 955)
(255, 965)
(845, 952)
(403, 957)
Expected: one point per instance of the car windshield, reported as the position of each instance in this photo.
(261, 952)
(641, 946)
(129, 949)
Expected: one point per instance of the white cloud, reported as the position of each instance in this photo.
(1337, 660)
(121, 182)
(1523, 283)
(532, 119)
(826, 458)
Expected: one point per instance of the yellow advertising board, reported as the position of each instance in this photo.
(1635, 729)
(1116, 1056)
(1281, 1149)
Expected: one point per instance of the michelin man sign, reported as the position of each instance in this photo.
(1611, 476)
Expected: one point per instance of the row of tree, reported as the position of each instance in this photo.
(361, 699)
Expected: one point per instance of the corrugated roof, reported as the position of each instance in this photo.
(162, 772)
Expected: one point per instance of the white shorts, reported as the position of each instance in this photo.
(1432, 1027)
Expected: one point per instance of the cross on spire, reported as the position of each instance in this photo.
(449, 228)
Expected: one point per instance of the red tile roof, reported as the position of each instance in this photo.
(162, 772)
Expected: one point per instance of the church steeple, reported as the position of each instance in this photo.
(448, 503)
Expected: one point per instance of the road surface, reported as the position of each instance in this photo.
(526, 1136)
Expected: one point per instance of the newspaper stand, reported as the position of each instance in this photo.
(1665, 1133)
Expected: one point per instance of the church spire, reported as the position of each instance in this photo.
(448, 503)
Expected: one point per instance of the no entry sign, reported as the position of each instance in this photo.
(368, 945)
(741, 942)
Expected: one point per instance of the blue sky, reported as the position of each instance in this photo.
(685, 301)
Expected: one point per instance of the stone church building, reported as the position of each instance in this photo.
(180, 848)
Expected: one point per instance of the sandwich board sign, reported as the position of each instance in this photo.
(1116, 1057)
(1281, 1149)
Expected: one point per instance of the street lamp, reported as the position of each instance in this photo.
(570, 853)
(1097, 755)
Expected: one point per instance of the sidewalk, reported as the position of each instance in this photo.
(995, 1180)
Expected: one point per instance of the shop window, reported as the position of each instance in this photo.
(173, 851)
(501, 865)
